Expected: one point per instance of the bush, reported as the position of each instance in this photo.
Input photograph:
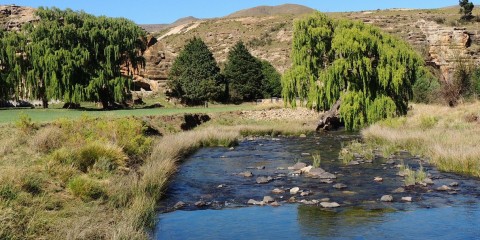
(7, 192)
(461, 84)
(48, 139)
(86, 189)
(25, 124)
(426, 89)
(428, 122)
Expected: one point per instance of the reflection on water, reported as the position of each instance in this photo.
(432, 215)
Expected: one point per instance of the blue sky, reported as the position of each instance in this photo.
(167, 11)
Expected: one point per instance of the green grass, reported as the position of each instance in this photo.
(48, 115)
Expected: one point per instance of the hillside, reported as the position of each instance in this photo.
(293, 9)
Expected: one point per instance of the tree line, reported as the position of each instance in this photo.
(70, 56)
(195, 76)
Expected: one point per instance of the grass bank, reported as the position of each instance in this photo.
(101, 178)
(448, 137)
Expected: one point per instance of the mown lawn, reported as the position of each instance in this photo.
(48, 115)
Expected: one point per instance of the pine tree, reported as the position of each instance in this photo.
(370, 72)
(466, 9)
(271, 84)
(244, 74)
(195, 76)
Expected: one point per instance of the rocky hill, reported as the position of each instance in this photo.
(293, 9)
(12, 17)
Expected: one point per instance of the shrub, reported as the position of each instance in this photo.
(88, 155)
(85, 188)
(428, 122)
(439, 20)
(48, 139)
(426, 89)
(25, 124)
(7, 192)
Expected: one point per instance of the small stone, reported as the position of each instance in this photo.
(428, 181)
(454, 184)
(305, 154)
(444, 188)
(275, 204)
(179, 205)
(294, 190)
(253, 202)
(378, 179)
(327, 175)
(264, 180)
(349, 192)
(261, 167)
(278, 191)
(325, 200)
(268, 199)
(386, 198)
(329, 204)
(221, 186)
(246, 174)
(327, 181)
(399, 190)
(353, 163)
(296, 173)
(368, 161)
(200, 204)
(391, 161)
(303, 135)
(340, 186)
(231, 149)
(407, 199)
(292, 200)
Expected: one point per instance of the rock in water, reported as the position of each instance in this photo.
(275, 204)
(428, 181)
(399, 190)
(378, 179)
(306, 169)
(407, 199)
(329, 204)
(294, 190)
(340, 186)
(264, 180)
(444, 188)
(278, 191)
(253, 202)
(298, 166)
(200, 204)
(179, 205)
(327, 175)
(246, 174)
(387, 198)
(268, 199)
(303, 135)
(454, 184)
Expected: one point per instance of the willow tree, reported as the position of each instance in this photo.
(365, 72)
(74, 56)
(12, 65)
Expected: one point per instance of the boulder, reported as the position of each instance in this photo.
(387, 198)
(329, 204)
(264, 180)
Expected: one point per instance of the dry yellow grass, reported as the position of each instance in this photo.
(449, 137)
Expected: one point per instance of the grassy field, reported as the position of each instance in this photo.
(84, 177)
(48, 115)
(448, 137)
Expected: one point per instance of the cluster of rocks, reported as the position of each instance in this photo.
(282, 113)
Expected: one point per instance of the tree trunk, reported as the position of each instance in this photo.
(330, 120)
(45, 103)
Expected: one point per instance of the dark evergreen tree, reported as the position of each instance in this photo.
(195, 77)
(370, 73)
(243, 73)
(271, 84)
(466, 9)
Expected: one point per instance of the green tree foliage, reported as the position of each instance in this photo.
(271, 84)
(12, 65)
(243, 73)
(426, 89)
(73, 56)
(195, 76)
(371, 72)
(466, 9)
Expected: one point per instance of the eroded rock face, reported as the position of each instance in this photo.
(13, 17)
(446, 45)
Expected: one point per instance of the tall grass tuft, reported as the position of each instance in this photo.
(317, 159)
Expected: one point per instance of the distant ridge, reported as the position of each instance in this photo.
(160, 27)
(294, 9)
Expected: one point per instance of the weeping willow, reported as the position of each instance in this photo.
(371, 72)
(72, 56)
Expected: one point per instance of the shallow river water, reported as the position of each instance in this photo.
(211, 175)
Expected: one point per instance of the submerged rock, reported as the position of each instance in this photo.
(454, 184)
(387, 198)
(399, 190)
(428, 181)
(275, 204)
(264, 180)
(329, 204)
(327, 175)
(340, 186)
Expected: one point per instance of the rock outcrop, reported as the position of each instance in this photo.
(13, 17)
